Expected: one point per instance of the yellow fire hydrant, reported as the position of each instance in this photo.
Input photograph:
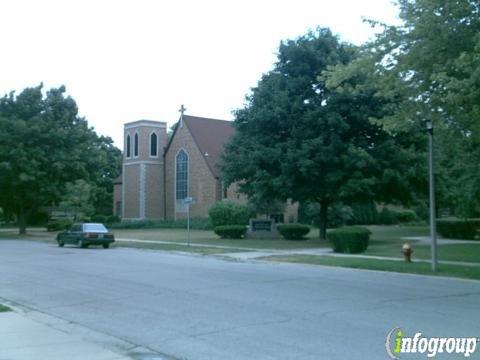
(407, 252)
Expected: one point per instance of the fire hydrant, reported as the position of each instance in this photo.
(407, 252)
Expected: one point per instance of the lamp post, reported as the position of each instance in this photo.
(433, 220)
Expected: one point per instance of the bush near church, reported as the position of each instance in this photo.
(406, 216)
(195, 224)
(229, 213)
(349, 240)
(293, 231)
(105, 219)
(459, 229)
(59, 224)
(230, 231)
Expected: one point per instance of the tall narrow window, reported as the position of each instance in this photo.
(128, 146)
(135, 145)
(153, 144)
(181, 175)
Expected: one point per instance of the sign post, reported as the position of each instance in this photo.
(188, 201)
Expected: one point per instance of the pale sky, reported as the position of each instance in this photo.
(126, 60)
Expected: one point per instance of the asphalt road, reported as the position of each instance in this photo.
(194, 307)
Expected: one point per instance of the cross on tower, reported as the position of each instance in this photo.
(182, 111)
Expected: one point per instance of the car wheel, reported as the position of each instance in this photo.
(82, 244)
(60, 243)
(106, 246)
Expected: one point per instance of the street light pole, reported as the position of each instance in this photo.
(433, 220)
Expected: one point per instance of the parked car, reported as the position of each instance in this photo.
(86, 234)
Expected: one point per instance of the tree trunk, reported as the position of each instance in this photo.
(323, 219)
(22, 222)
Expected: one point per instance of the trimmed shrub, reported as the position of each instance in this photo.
(293, 231)
(112, 219)
(38, 218)
(58, 225)
(364, 213)
(459, 229)
(99, 218)
(350, 240)
(338, 214)
(422, 211)
(406, 216)
(230, 231)
(387, 217)
(229, 213)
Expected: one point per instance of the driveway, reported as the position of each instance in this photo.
(147, 303)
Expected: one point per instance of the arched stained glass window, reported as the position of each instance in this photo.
(127, 145)
(181, 174)
(135, 145)
(153, 145)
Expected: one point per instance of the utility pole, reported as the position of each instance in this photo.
(433, 219)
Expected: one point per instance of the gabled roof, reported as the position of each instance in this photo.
(210, 136)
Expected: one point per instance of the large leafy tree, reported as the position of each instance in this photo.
(299, 139)
(429, 69)
(45, 145)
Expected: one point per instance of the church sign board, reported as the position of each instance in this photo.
(262, 228)
(261, 225)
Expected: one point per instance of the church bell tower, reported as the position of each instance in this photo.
(143, 170)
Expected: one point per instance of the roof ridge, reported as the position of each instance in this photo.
(205, 118)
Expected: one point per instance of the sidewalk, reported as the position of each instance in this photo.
(328, 252)
(252, 253)
(440, 240)
(22, 338)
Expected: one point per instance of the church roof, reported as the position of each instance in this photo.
(211, 136)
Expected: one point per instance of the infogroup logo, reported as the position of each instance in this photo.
(397, 343)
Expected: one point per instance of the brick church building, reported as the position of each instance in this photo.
(159, 171)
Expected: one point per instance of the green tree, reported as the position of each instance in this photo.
(298, 138)
(429, 69)
(77, 197)
(45, 145)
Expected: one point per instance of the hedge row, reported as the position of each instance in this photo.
(230, 231)
(58, 225)
(195, 224)
(105, 219)
(293, 231)
(459, 229)
(350, 240)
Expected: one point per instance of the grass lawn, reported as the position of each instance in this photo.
(387, 241)
(4, 308)
(33, 233)
(209, 238)
(469, 272)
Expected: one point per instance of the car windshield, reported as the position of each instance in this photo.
(94, 228)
